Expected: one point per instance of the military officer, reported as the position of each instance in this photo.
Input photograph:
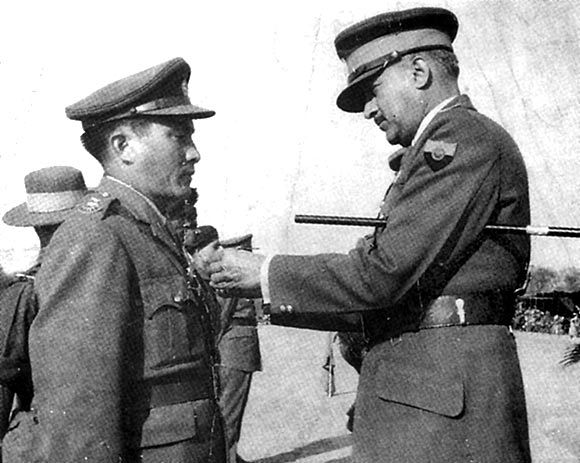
(121, 349)
(441, 381)
(51, 195)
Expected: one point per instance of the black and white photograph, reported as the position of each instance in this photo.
(275, 232)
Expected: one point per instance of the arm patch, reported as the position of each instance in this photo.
(438, 154)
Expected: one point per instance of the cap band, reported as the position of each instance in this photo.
(53, 202)
(161, 103)
(154, 105)
(391, 58)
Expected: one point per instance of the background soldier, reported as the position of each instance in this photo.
(52, 193)
(441, 380)
(239, 349)
(121, 348)
(237, 341)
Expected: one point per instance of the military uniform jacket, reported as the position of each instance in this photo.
(445, 394)
(18, 308)
(119, 348)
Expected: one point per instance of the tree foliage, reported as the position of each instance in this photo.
(544, 280)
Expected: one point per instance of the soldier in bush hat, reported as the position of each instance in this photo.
(51, 195)
(441, 380)
(121, 350)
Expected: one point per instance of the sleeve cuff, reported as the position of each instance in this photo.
(264, 283)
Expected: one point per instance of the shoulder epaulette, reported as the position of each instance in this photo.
(24, 277)
(96, 204)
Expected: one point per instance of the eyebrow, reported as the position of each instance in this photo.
(183, 126)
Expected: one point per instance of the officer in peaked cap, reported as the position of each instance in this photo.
(441, 380)
(122, 350)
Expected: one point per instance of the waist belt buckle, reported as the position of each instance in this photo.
(445, 311)
(460, 305)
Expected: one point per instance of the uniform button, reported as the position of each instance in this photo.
(105, 194)
(283, 308)
(178, 297)
(290, 309)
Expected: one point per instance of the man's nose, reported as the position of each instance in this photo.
(370, 109)
(192, 154)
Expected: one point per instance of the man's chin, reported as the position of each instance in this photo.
(182, 191)
(392, 138)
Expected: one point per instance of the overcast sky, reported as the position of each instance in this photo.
(278, 144)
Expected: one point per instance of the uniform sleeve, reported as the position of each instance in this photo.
(78, 344)
(13, 333)
(435, 207)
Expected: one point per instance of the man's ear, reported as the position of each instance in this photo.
(422, 74)
(122, 147)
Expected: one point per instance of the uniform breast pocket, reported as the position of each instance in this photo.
(173, 332)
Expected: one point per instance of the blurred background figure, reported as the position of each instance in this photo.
(52, 193)
(237, 339)
(353, 347)
(574, 326)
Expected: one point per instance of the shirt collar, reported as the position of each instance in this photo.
(150, 203)
(429, 117)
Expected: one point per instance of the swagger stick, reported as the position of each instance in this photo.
(562, 232)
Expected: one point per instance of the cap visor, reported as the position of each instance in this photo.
(21, 217)
(195, 112)
(353, 99)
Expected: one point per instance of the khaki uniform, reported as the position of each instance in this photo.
(121, 349)
(239, 350)
(441, 381)
(17, 310)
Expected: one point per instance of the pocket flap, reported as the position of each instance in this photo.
(436, 391)
(171, 423)
(163, 291)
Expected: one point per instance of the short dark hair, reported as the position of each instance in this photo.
(447, 61)
(95, 140)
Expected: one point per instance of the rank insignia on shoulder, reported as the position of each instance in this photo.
(91, 205)
(438, 154)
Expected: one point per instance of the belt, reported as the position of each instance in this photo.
(243, 322)
(485, 308)
(482, 308)
(164, 394)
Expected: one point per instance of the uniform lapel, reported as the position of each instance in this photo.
(143, 212)
(162, 233)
